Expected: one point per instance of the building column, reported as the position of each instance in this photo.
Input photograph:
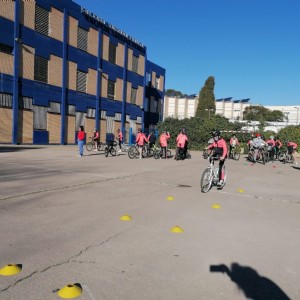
(144, 95)
(99, 82)
(17, 43)
(64, 79)
(123, 116)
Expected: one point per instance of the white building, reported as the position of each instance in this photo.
(180, 108)
(231, 109)
(291, 113)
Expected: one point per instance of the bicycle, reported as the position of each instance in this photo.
(180, 154)
(158, 153)
(110, 148)
(287, 157)
(133, 151)
(259, 156)
(91, 145)
(205, 153)
(210, 176)
(234, 154)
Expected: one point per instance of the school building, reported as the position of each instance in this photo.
(62, 66)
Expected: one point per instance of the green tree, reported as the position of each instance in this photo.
(262, 114)
(171, 92)
(206, 104)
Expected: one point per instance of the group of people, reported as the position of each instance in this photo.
(273, 145)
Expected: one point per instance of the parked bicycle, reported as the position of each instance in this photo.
(210, 176)
(111, 148)
(180, 154)
(133, 151)
(158, 153)
(92, 145)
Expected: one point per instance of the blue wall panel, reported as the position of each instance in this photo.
(40, 137)
(6, 83)
(6, 32)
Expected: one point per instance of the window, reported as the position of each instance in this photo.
(146, 108)
(40, 69)
(157, 82)
(82, 39)
(41, 20)
(133, 96)
(91, 113)
(135, 63)
(71, 110)
(112, 53)
(54, 107)
(81, 82)
(25, 103)
(111, 90)
(148, 79)
(6, 49)
(40, 117)
(6, 100)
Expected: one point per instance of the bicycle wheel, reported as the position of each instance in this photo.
(206, 180)
(100, 146)
(281, 157)
(169, 154)
(263, 158)
(132, 152)
(236, 156)
(145, 152)
(156, 154)
(106, 151)
(113, 152)
(205, 154)
(89, 146)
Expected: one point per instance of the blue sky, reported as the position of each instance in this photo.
(251, 47)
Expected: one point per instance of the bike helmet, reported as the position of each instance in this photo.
(216, 132)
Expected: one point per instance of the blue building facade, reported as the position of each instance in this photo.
(62, 67)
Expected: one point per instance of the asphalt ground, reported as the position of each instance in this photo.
(60, 218)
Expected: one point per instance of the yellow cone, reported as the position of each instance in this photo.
(70, 291)
(177, 229)
(241, 190)
(10, 269)
(126, 218)
(170, 198)
(216, 206)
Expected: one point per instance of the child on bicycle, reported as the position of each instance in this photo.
(219, 149)
(96, 139)
(120, 139)
(292, 146)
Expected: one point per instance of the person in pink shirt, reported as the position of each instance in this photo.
(219, 149)
(163, 140)
(292, 146)
(140, 141)
(181, 142)
(271, 146)
(120, 139)
(232, 144)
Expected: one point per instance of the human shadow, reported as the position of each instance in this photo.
(297, 168)
(253, 285)
(6, 148)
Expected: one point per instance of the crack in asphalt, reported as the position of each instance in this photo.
(69, 260)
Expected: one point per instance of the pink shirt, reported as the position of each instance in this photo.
(271, 143)
(294, 145)
(234, 141)
(219, 144)
(120, 136)
(163, 139)
(181, 139)
(141, 139)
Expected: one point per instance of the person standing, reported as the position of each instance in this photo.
(151, 139)
(140, 141)
(120, 139)
(80, 139)
(232, 144)
(96, 139)
(163, 140)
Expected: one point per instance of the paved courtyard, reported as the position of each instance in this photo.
(60, 218)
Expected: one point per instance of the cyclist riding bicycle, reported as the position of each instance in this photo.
(258, 143)
(277, 147)
(292, 146)
(219, 149)
(232, 144)
(271, 145)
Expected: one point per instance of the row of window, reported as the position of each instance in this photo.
(26, 103)
(42, 27)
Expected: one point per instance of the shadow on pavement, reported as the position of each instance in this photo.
(17, 148)
(251, 283)
(297, 168)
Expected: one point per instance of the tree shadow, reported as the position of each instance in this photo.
(251, 283)
(17, 148)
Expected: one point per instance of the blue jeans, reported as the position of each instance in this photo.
(80, 147)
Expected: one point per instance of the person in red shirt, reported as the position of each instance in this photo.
(80, 139)
(292, 146)
(140, 141)
(278, 145)
(163, 140)
(271, 146)
(219, 149)
(181, 143)
(120, 139)
(96, 139)
(233, 143)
